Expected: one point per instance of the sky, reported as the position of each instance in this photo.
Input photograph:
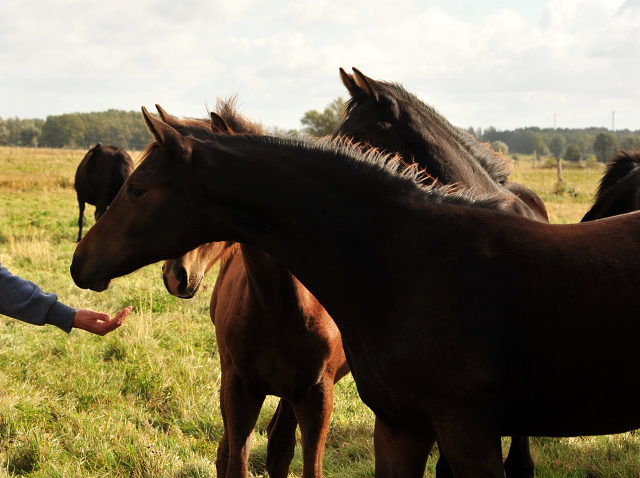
(506, 64)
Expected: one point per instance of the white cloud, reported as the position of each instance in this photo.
(502, 67)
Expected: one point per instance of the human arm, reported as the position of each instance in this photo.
(23, 300)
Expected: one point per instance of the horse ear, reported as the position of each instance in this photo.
(219, 125)
(167, 136)
(167, 118)
(349, 83)
(366, 83)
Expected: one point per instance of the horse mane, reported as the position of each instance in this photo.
(618, 167)
(388, 170)
(225, 108)
(495, 165)
(228, 110)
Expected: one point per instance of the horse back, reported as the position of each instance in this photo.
(102, 173)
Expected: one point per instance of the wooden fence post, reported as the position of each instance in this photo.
(560, 178)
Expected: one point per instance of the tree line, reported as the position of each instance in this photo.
(570, 144)
(127, 130)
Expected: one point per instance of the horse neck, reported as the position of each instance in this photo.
(214, 252)
(313, 216)
(271, 286)
(451, 160)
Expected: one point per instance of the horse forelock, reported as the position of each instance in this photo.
(618, 167)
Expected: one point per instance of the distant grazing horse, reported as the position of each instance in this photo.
(389, 118)
(619, 190)
(274, 338)
(443, 332)
(99, 177)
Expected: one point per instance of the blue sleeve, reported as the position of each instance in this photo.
(23, 300)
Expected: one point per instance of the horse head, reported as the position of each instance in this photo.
(183, 276)
(373, 115)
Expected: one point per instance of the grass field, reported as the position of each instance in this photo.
(143, 401)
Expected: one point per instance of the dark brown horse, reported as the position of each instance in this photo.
(619, 190)
(99, 177)
(390, 118)
(273, 336)
(444, 335)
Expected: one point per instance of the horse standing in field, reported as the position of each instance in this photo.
(273, 336)
(99, 177)
(444, 335)
(619, 190)
(393, 120)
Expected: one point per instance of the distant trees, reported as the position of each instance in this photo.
(630, 143)
(500, 146)
(539, 146)
(17, 132)
(323, 124)
(605, 145)
(4, 132)
(572, 153)
(29, 135)
(528, 140)
(64, 130)
(557, 145)
(125, 129)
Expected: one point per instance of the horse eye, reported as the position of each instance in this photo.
(135, 191)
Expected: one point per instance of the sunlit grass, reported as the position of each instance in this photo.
(143, 401)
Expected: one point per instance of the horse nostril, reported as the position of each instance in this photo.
(180, 274)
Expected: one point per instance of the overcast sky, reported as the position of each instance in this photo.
(481, 63)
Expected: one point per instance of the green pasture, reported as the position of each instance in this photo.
(143, 401)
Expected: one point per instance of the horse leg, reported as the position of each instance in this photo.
(399, 452)
(100, 210)
(80, 219)
(282, 440)
(443, 469)
(240, 413)
(472, 444)
(313, 414)
(519, 462)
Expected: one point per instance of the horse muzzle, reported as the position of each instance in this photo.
(86, 278)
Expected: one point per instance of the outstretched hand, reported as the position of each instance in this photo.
(99, 323)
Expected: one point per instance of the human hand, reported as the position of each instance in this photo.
(99, 323)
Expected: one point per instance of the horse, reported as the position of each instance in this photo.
(619, 189)
(273, 336)
(443, 333)
(99, 177)
(388, 117)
